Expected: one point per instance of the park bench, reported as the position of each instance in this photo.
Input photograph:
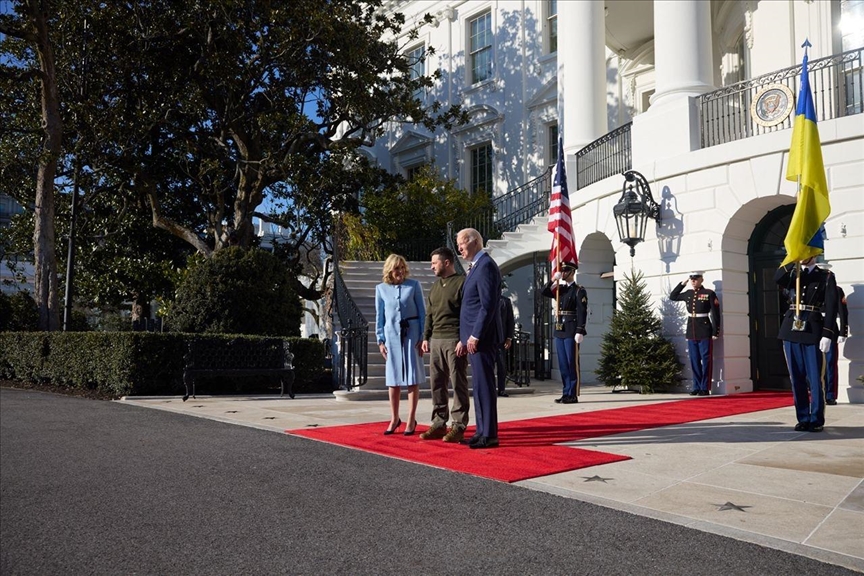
(221, 357)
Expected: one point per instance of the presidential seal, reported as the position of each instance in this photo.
(772, 105)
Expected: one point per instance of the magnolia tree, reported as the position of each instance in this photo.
(196, 116)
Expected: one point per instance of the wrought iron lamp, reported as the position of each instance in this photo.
(634, 209)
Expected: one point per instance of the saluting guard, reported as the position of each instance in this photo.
(807, 332)
(572, 314)
(703, 327)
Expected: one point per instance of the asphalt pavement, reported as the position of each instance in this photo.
(96, 487)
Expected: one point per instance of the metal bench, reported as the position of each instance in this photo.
(218, 356)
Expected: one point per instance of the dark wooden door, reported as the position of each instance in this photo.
(767, 302)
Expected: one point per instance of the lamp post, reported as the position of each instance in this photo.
(634, 209)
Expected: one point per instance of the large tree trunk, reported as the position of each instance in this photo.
(44, 248)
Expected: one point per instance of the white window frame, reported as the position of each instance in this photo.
(550, 26)
(474, 175)
(475, 52)
(416, 59)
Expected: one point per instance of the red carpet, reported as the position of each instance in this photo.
(528, 446)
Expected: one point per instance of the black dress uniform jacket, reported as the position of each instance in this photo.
(573, 303)
(842, 315)
(818, 301)
(703, 311)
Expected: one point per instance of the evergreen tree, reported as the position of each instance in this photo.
(634, 353)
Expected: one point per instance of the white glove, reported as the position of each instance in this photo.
(579, 338)
(825, 345)
(556, 276)
(841, 339)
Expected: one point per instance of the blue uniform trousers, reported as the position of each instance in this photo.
(806, 365)
(701, 353)
(568, 363)
(831, 382)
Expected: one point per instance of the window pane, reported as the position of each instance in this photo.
(415, 61)
(553, 144)
(481, 169)
(553, 26)
(481, 48)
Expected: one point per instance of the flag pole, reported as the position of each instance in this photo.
(797, 324)
(558, 268)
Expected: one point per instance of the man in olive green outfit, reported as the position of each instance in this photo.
(439, 341)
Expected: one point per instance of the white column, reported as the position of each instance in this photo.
(683, 64)
(581, 73)
(682, 49)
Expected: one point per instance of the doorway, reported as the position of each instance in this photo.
(767, 302)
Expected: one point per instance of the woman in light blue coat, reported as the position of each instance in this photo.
(400, 313)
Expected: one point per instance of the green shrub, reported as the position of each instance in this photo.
(18, 312)
(237, 291)
(136, 363)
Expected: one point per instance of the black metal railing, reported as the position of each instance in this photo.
(507, 212)
(609, 155)
(837, 84)
(518, 358)
(352, 366)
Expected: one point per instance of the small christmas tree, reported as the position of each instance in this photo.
(634, 354)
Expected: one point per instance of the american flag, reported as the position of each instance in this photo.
(560, 222)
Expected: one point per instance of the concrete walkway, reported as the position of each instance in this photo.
(749, 477)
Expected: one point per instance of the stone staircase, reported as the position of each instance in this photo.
(526, 239)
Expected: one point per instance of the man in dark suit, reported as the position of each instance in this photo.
(703, 327)
(480, 333)
(572, 314)
(807, 332)
(840, 335)
(508, 322)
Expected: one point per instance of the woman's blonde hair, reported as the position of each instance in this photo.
(393, 262)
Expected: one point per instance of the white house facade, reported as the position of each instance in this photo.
(698, 97)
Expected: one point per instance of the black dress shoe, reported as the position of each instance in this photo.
(560, 400)
(570, 400)
(816, 428)
(484, 443)
(503, 394)
(831, 402)
(694, 392)
(703, 393)
(471, 440)
(802, 427)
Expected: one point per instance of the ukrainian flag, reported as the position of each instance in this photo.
(804, 238)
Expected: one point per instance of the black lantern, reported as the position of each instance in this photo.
(634, 209)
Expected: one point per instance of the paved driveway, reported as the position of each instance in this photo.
(93, 487)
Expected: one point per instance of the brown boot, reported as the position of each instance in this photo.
(455, 435)
(434, 433)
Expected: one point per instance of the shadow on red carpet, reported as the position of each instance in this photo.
(528, 447)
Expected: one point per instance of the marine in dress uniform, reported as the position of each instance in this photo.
(840, 335)
(569, 327)
(703, 327)
(807, 338)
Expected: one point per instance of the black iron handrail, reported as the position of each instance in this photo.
(518, 363)
(609, 155)
(837, 83)
(352, 367)
(507, 212)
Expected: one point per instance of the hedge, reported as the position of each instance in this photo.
(136, 363)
